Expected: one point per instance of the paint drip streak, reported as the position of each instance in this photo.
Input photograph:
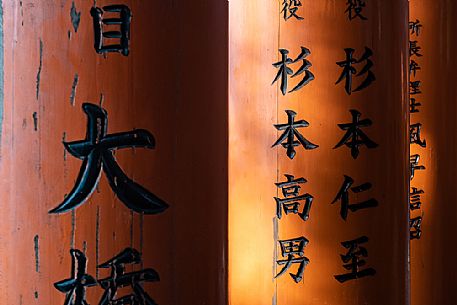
(36, 241)
(97, 242)
(73, 228)
(40, 67)
(73, 89)
(132, 222)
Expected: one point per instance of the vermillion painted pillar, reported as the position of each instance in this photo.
(374, 262)
(433, 274)
(177, 119)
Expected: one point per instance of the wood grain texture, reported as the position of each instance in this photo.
(174, 84)
(256, 34)
(433, 275)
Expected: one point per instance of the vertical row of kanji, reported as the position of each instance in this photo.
(324, 146)
(415, 102)
(433, 196)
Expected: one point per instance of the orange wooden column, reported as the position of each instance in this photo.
(433, 273)
(258, 31)
(50, 69)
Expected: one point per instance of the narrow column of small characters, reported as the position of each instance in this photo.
(415, 193)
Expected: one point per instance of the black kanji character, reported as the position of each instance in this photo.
(415, 201)
(414, 87)
(354, 136)
(343, 195)
(414, 49)
(294, 250)
(413, 105)
(415, 135)
(285, 71)
(291, 202)
(96, 151)
(287, 139)
(414, 165)
(415, 27)
(119, 279)
(75, 286)
(413, 67)
(349, 70)
(355, 8)
(352, 260)
(123, 33)
(415, 225)
(290, 8)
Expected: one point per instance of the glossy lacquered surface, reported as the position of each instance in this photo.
(433, 273)
(172, 83)
(258, 32)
